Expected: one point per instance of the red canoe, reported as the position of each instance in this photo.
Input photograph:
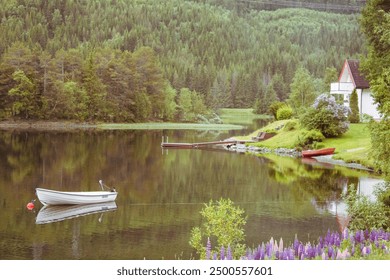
(320, 152)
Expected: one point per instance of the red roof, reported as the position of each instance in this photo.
(357, 77)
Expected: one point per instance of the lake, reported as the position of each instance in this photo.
(160, 193)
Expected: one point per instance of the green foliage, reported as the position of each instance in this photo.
(380, 138)
(274, 107)
(23, 95)
(290, 125)
(331, 75)
(326, 116)
(366, 214)
(223, 225)
(143, 106)
(190, 105)
(302, 90)
(139, 46)
(170, 105)
(353, 116)
(375, 22)
(284, 113)
(307, 138)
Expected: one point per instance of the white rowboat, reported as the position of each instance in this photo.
(51, 197)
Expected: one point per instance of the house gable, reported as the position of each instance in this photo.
(351, 74)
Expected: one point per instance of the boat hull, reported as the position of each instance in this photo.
(51, 197)
(56, 213)
(316, 153)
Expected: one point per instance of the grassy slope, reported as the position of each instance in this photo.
(353, 146)
(239, 116)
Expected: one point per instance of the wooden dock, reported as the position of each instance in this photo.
(166, 144)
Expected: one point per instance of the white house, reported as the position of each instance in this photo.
(350, 79)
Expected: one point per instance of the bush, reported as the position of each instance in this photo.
(224, 224)
(353, 116)
(284, 113)
(309, 138)
(275, 106)
(326, 116)
(366, 214)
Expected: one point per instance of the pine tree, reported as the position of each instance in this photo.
(353, 105)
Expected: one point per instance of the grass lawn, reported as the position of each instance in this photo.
(352, 146)
(239, 116)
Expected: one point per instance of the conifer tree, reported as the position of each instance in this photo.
(353, 116)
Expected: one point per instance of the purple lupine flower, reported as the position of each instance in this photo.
(277, 255)
(296, 246)
(256, 255)
(281, 245)
(337, 240)
(345, 234)
(268, 250)
(262, 252)
(222, 253)
(272, 245)
(319, 250)
(215, 256)
(229, 253)
(330, 252)
(373, 235)
(328, 238)
(339, 255)
(364, 251)
(321, 242)
(300, 250)
(249, 254)
(208, 249)
(358, 236)
(290, 253)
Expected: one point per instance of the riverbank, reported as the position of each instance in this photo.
(352, 148)
(68, 125)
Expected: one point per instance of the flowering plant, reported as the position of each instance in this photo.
(327, 116)
(334, 246)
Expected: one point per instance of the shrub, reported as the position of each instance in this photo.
(365, 214)
(224, 224)
(284, 113)
(353, 116)
(275, 106)
(309, 138)
(326, 116)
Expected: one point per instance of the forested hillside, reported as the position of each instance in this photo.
(126, 60)
(338, 6)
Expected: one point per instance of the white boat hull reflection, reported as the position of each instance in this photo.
(56, 213)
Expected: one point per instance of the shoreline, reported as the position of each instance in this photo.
(71, 126)
(293, 153)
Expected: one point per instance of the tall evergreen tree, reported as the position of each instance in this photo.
(95, 89)
(354, 116)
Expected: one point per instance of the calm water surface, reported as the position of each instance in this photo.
(160, 193)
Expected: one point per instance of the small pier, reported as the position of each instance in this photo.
(166, 144)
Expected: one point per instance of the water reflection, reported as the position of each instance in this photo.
(51, 214)
(160, 194)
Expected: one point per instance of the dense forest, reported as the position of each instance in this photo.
(124, 60)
